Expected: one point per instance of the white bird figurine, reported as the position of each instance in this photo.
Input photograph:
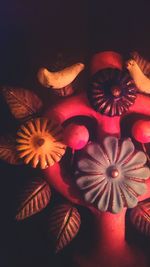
(59, 79)
(142, 63)
(141, 81)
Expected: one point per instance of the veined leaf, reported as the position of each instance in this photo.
(23, 103)
(64, 224)
(140, 217)
(34, 199)
(8, 150)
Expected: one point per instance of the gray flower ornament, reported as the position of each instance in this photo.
(113, 175)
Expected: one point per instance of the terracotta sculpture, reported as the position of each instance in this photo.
(107, 173)
(109, 197)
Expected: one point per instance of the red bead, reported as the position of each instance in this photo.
(114, 173)
(141, 131)
(76, 136)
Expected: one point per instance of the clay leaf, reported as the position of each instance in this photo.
(8, 151)
(140, 217)
(64, 224)
(34, 199)
(23, 103)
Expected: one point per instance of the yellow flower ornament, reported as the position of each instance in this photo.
(40, 143)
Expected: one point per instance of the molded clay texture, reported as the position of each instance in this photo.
(142, 63)
(59, 79)
(111, 92)
(141, 131)
(141, 81)
(40, 142)
(76, 136)
(64, 224)
(8, 150)
(34, 199)
(111, 176)
(140, 217)
(22, 103)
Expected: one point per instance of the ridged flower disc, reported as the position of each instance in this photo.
(111, 92)
(40, 143)
(111, 176)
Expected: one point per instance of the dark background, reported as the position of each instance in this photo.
(35, 34)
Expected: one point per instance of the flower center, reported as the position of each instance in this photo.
(116, 91)
(40, 141)
(114, 173)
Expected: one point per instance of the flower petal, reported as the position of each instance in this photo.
(129, 199)
(138, 188)
(111, 148)
(141, 173)
(87, 181)
(89, 166)
(29, 157)
(92, 194)
(97, 153)
(103, 202)
(126, 150)
(35, 161)
(117, 201)
(50, 160)
(137, 161)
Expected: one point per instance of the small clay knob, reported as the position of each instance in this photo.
(114, 173)
(116, 91)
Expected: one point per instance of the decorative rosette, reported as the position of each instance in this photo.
(40, 143)
(112, 176)
(111, 92)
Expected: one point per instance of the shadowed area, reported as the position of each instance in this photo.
(47, 33)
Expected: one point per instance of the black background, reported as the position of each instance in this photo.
(34, 34)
